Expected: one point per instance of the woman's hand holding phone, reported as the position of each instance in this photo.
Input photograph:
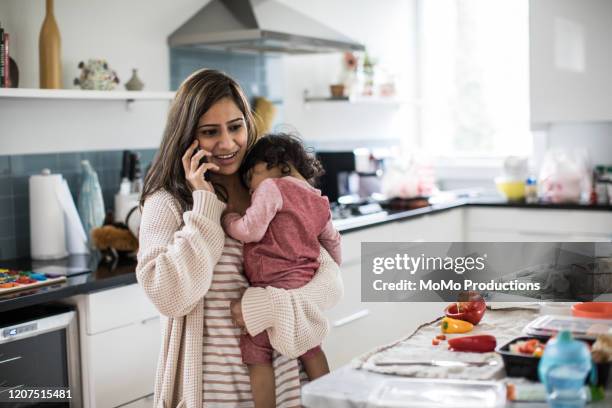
(195, 171)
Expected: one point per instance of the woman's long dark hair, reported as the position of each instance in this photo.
(196, 95)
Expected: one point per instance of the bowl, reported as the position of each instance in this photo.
(593, 310)
(513, 190)
(472, 313)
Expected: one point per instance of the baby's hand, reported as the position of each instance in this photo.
(236, 310)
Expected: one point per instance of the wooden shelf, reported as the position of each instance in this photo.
(29, 93)
(354, 100)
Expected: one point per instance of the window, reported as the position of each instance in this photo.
(474, 77)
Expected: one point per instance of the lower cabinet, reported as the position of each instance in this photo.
(145, 402)
(122, 363)
(537, 225)
(120, 337)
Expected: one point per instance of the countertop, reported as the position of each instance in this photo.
(348, 387)
(101, 276)
(360, 222)
(360, 384)
(104, 276)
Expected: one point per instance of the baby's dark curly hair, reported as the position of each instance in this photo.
(282, 150)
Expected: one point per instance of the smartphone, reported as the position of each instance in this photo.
(202, 161)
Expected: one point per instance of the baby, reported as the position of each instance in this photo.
(282, 232)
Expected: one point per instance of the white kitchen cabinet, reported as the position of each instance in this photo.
(570, 61)
(538, 225)
(120, 342)
(358, 327)
(444, 226)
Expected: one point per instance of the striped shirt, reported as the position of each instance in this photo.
(225, 378)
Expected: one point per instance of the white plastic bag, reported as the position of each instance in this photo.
(564, 176)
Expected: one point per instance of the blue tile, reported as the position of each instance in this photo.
(6, 186)
(69, 162)
(146, 157)
(22, 227)
(21, 185)
(22, 205)
(112, 159)
(7, 227)
(22, 249)
(7, 248)
(5, 165)
(6, 207)
(96, 159)
(110, 179)
(33, 164)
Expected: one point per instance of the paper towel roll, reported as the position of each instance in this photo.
(47, 230)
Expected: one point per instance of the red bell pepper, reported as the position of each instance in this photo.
(479, 344)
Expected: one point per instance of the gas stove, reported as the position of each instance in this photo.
(357, 213)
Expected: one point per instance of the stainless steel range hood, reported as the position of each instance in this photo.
(258, 26)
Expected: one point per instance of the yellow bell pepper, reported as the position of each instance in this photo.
(449, 325)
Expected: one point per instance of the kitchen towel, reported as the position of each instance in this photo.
(504, 325)
(54, 231)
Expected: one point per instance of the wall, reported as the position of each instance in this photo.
(128, 34)
(387, 29)
(133, 34)
(594, 138)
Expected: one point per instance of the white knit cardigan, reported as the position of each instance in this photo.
(177, 255)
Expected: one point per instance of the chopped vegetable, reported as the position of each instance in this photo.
(435, 342)
(455, 326)
(531, 347)
(441, 337)
(479, 344)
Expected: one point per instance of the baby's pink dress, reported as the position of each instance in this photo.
(282, 231)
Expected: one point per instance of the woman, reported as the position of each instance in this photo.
(191, 270)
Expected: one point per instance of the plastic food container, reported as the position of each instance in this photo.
(593, 310)
(518, 365)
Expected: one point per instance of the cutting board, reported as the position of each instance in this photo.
(13, 280)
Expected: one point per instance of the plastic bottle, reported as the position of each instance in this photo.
(136, 174)
(90, 201)
(600, 185)
(563, 368)
(608, 180)
(531, 191)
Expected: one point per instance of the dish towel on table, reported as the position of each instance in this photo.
(503, 324)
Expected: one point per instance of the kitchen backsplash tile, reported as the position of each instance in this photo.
(6, 186)
(248, 69)
(7, 247)
(14, 195)
(5, 166)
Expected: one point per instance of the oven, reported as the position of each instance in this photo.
(39, 350)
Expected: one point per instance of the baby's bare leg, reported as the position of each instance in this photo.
(315, 365)
(263, 385)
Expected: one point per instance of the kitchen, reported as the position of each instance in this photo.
(398, 135)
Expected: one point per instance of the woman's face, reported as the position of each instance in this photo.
(223, 132)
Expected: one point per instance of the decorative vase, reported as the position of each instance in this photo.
(134, 84)
(96, 75)
(49, 47)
